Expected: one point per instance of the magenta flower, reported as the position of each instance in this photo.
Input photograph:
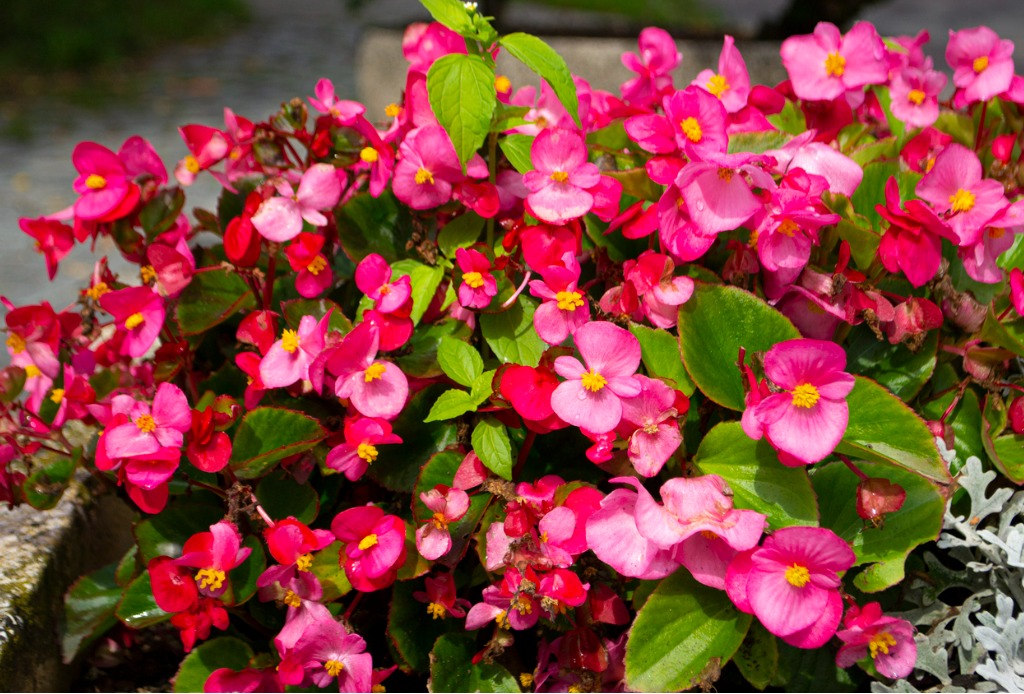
(288, 360)
(314, 272)
(280, 218)
(343, 112)
(206, 147)
(1017, 290)
(53, 240)
(914, 96)
(888, 640)
(731, 84)
(151, 428)
(694, 123)
(958, 191)
(139, 314)
(980, 257)
(215, 554)
(433, 540)
(103, 185)
(591, 398)
(807, 420)
(565, 307)
(508, 604)
(428, 168)
(374, 546)
(825, 65)
(441, 598)
(373, 278)
(559, 187)
(656, 435)
(791, 584)
(613, 536)
(327, 652)
(913, 242)
(982, 64)
(360, 448)
(717, 191)
(375, 388)
(478, 285)
(653, 66)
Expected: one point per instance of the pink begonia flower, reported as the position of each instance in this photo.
(326, 653)
(424, 43)
(141, 160)
(790, 225)
(914, 96)
(374, 546)
(529, 391)
(249, 364)
(428, 168)
(375, 388)
(360, 448)
(245, 680)
(889, 641)
(172, 260)
(560, 185)
(440, 597)
(825, 65)
(661, 292)
(215, 554)
(652, 415)
(433, 540)
(842, 173)
(808, 419)
(288, 360)
(343, 112)
(559, 590)
(731, 84)
(206, 147)
(379, 157)
(478, 285)
(145, 477)
(960, 194)
(913, 241)
(291, 544)
(1017, 290)
(717, 191)
(982, 64)
(544, 245)
(373, 278)
(208, 449)
(507, 604)
(694, 123)
(613, 536)
(980, 257)
(52, 239)
(791, 584)
(151, 428)
(139, 314)
(280, 218)
(103, 185)
(591, 398)
(546, 109)
(314, 273)
(565, 307)
(653, 66)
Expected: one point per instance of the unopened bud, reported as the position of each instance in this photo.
(876, 497)
(943, 431)
(1016, 415)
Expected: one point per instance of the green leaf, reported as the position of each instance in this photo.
(372, 225)
(161, 212)
(758, 480)
(268, 434)
(811, 670)
(452, 403)
(545, 61)
(451, 13)
(1008, 455)
(460, 361)
(790, 119)
(878, 577)
(758, 656)
(295, 309)
(491, 443)
(511, 336)
(213, 295)
(138, 608)
(281, 496)
(637, 183)
(871, 190)
(683, 628)
(758, 142)
(863, 242)
(1008, 333)
(461, 92)
(893, 366)
(243, 577)
(44, 488)
(659, 350)
(482, 387)
(89, 610)
(413, 630)
(398, 465)
(452, 669)
(327, 569)
(425, 280)
(959, 125)
(421, 362)
(164, 534)
(517, 149)
(461, 232)
(713, 325)
(225, 651)
(883, 429)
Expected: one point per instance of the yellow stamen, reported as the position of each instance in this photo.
(835, 65)
(691, 128)
(191, 164)
(373, 372)
(709, 535)
(593, 381)
(317, 265)
(133, 321)
(378, 689)
(797, 576)
(996, 232)
(717, 85)
(543, 537)
(291, 599)
(211, 578)
(559, 177)
(651, 429)
(916, 97)
(304, 562)
(881, 641)
(97, 290)
(424, 176)
(437, 610)
(392, 110)
(289, 341)
(95, 182)
(574, 689)
(526, 679)
(369, 155)
(980, 64)
(31, 371)
(473, 279)
(502, 619)
(439, 521)
(367, 451)
(522, 604)
(148, 274)
(962, 200)
(806, 396)
(368, 542)
(569, 301)
(145, 423)
(334, 667)
(16, 343)
(788, 227)
(57, 396)
(725, 174)
(929, 164)
(502, 84)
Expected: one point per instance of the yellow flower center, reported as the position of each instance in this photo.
(367, 451)
(57, 396)
(559, 177)
(133, 321)
(980, 64)
(292, 600)
(797, 576)
(962, 200)
(691, 128)
(191, 164)
(334, 667)
(593, 381)
(16, 343)
(881, 641)
(373, 372)
(916, 97)
(725, 174)
(31, 371)
(502, 84)
(211, 578)
(717, 85)
(289, 341)
(502, 619)
(439, 521)
(97, 290)
(392, 110)
(473, 279)
(569, 301)
(369, 155)
(148, 274)
(424, 176)
(368, 542)
(95, 182)
(522, 604)
(651, 429)
(788, 227)
(835, 64)
(145, 423)
(317, 265)
(304, 562)
(806, 396)
(526, 679)
(437, 610)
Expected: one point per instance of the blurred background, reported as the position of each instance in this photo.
(103, 70)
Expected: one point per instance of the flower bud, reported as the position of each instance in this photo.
(943, 431)
(876, 497)
(1016, 415)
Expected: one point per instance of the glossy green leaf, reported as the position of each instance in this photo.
(461, 232)
(682, 627)
(372, 225)
(162, 210)
(545, 61)
(398, 465)
(883, 429)
(452, 669)
(213, 295)
(412, 629)
(863, 242)
(758, 480)
(327, 569)
(138, 608)
(450, 13)
(511, 336)
(790, 119)
(877, 577)
(295, 309)
(517, 150)
(452, 403)
(282, 496)
(44, 488)
(243, 577)
(871, 190)
(425, 280)
(811, 670)
(758, 142)
(894, 366)
(713, 325)
(1008, 455)
(89, 610)
(637, 183)
(492, 445)
(659, 350)
(222, 652)
(1005, 333)
(460, 361)
(461, 92)
(758, 656)
(268, 434)
(164, 534)
(421, 361)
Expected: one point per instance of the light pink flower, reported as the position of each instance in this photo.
(559, 187)
(915, 96)
(731, 84)
(980, 257)
(433, 539)
(982, 64)
(653, 66)
(375, 388)
(565, 307)
(652, 416)
(280, 218)
(343, 112)
(428, 168)
(717, 191)
(327, 652)
(139, 313)
(613, 536)
(889, 641)
(825, 65)
(151, 428)
(478, 285)
(958, 191)
(360, 448)
(288, 360)
(373, 278)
